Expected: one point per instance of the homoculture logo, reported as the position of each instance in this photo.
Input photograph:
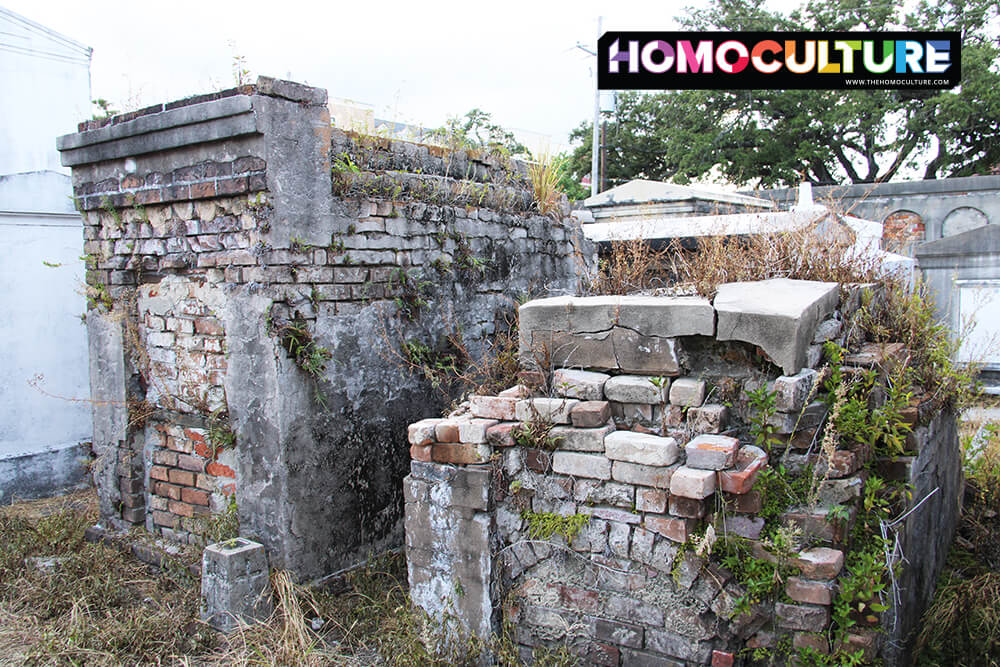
(779, 60)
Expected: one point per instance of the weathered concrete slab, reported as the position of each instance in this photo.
(778, 315)
(605, 332)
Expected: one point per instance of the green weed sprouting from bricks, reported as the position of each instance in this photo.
(543, 525)
(762, 404)
(300, 345)
(299, 245)
(439, 365)
(536, 434)
(220, 433)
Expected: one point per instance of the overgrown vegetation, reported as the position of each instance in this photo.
(962, 626)
(66, 601)
(536, 434)
(300, 345)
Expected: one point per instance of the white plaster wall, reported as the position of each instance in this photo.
(41, 333)
(44, 92)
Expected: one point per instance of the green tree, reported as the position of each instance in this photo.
(776, 137)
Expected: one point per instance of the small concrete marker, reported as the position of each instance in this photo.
(235, 583)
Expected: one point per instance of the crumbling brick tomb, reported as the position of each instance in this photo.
(591, 533)
(252, 272)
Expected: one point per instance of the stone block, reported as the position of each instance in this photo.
(792, 391)
(618, 633)
(594, 351)
(811, 640)
(501, 435)
(712, 452)
(886, 356)
(235, 584)
(750, 502)
(801, 617)
(778, 315)
(630, 413)
(809, 591)
(816, 523)
(595, 492)
(844, 463)
(581, 465)
(710, 418)
(692, 483)
(590, 414)
(584, 385)
(641, 448)
(618, 539)
(633, 610)
(611, 514)
(688, 508)
(460, 453)
(422, 432)
(673, 528)
(749, 462)
(827, 330)
(651, 500)
(643, 475)
(446, 430)
(517, 391)
(840, 491)
(649, 355)
(493, 407)
(678, 646)
(819, 563)
(473, 431)
(687, 392)
(547, 410)
(634, 389)
(808, 418)
(744, 526)
(581, 439)
(667, 316)
(723, 659)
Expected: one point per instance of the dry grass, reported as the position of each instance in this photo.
(634, 266)
(94, 605)
(544, 176)
(100, 606)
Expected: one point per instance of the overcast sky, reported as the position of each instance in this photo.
(413, 62)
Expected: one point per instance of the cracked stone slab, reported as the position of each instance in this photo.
(778, 315)
(576, 328)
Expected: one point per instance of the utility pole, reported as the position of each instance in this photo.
(595, 159)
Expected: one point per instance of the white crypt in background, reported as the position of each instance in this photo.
(655, 211)
(45, 79)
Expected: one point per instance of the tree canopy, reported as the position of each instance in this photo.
(780, 137)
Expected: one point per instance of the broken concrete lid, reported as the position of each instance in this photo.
(778, 315)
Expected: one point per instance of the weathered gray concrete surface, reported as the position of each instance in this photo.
(39, 472)
(779, 315)
(235, 584)
(926, 535)
(243, 227)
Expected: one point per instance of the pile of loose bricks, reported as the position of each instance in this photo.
(652, 455)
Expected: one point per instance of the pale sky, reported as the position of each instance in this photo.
(412, 62)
